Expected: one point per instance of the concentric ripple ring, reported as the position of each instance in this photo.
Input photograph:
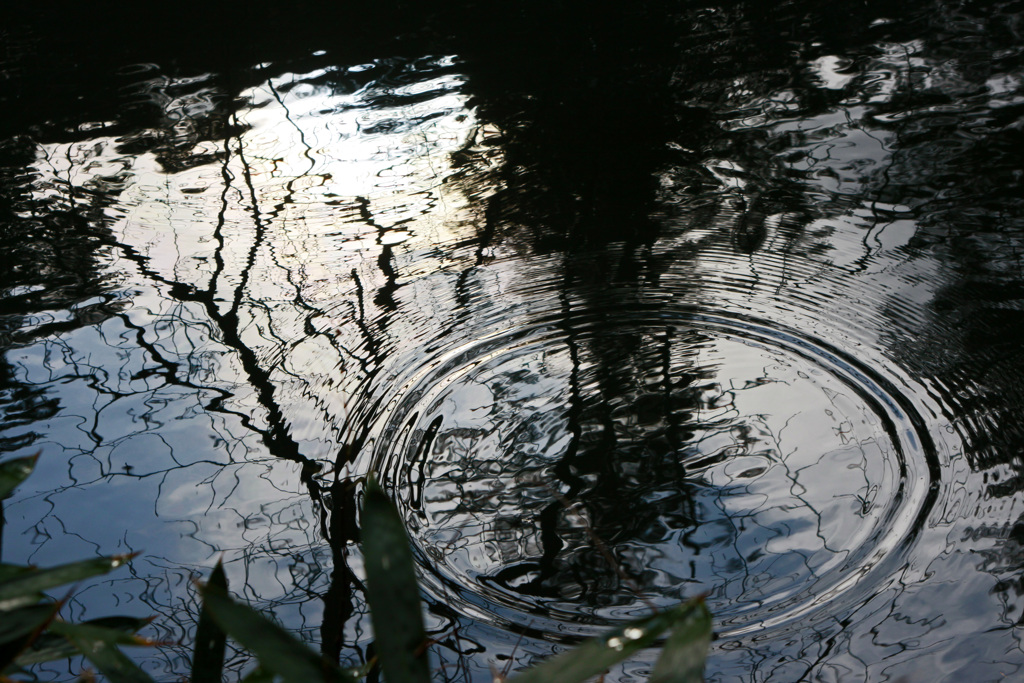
(570, 474)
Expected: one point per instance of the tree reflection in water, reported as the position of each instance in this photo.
(228, 272)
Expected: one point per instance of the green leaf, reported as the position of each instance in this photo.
(18, 627)
(593, 657)
(208, 656)
(392, 591)
(10, 571)
(360, 672)
(13, 472)
(21, 622)
(257, 675)
(18, 601)
(682, 657)
(50, 647)
(15, 591)
(117, 636)
(101, 647)
(277, 650)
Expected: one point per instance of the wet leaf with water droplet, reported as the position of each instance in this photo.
(682, 657)
(26, 585)
(593, 657)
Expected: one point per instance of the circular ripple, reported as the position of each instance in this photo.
(570, 475)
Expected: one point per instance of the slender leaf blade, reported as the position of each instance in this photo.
(13, 472)
(392, 591)
(684, 653)
(101, 647)
(361, 672)
(593, 657)
(51, 647)
(278, 651)
(14, 590)
(10, 571)
(116, 636)
(18, 601)
(21, 622)
(211, 641)
(257, 675)
(18, 628)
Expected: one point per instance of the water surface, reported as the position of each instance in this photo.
(730, 295)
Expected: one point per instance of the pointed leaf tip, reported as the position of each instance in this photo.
(392, 589)
(593, 657)
(684, 654)
(211, 641)
(277, 650)
(101, 647)
(13, 472)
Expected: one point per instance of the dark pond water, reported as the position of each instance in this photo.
(737, 288)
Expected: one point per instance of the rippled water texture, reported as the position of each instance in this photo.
(623, 308)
